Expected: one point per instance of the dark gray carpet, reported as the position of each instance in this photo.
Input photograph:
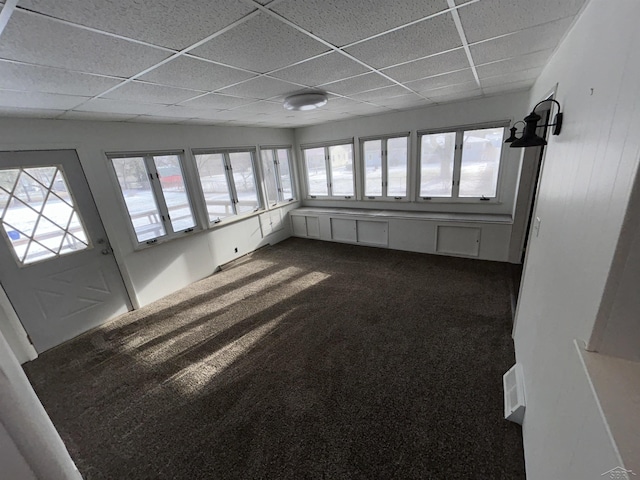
(305, 360)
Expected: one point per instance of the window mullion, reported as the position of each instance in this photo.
(384, 167)
(276, 172)
(327, 161)
(157, 193)
(457, 164)
(231, 182)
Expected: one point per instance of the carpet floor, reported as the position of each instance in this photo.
(303, 360)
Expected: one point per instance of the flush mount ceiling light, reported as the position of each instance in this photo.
(529, 136)
(305, 101)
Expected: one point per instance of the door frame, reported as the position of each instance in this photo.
(18, 337)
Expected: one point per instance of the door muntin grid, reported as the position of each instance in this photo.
(39, 217)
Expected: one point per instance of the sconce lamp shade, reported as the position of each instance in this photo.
(529, 136)
(305, 101)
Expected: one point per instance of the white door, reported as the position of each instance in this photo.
(57, 267)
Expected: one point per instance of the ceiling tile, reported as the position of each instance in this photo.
(509, 87)
(428, 67)
(11, 98)
(333, 20)
(193, 73)
(261, 88)
(152, 21)
(450, 90)
(455, 78)
(33, 39)
(179, 111)
(327, 68)
(532, 40)
(149, 93)
(523, 62)
(118, 106)
(380, 94)
(261, 44)
(260, 108)
(339, 104)
(30, 112)
(434, 35)
(530, 74)
(155, 119)
(405, 102)
(15, 76)
(457, 96)
(114, 117)
(216, 101)
(490, 18)
(358, 84)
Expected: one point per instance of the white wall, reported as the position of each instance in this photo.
(584, 191)
(476, 111)
(157, 271)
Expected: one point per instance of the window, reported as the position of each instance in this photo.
(228, 182)
(155, 195)
(385, 167)
(329, 170)
(276, 167)
(462, 164)
(38, 214)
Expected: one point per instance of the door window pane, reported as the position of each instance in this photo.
(174, 191)
(341, 158)
(397, 167)
(38, 214)
(436, 164)
(269, 173)
(214, 185)
(285, 174)
(372, 150)
(139, 198)
(316, 171)
(244, 181)
(480, 162)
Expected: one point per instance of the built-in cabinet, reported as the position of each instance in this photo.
(466, 235)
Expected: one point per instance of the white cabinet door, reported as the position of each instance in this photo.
(57, 267)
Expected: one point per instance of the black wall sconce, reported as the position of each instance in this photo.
(529, 137)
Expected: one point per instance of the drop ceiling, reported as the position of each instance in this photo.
(234, 61)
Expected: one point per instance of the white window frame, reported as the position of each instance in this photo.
(231, 185)
(327, 161)
(278, 174)
(156, 189)
(385, 181)
(457, 164)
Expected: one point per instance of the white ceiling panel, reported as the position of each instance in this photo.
(457, 96)
(535, 39)
(261, 88)
(152, 21)
(216, 101)
(33, 39)
(404, 102)
(358, 84)
(260, 107)
(261, 44)
(455, 78)
(508, 87)
(530, 74)
(14, 99)
(327, 68)
(462, 88)
(118, 106)
(149, 93)
(155, 119)
(338, 104)
(32, 78)
(428, 67)
(29, 112)
(433, 36)
(198, 74)
(113, 117)
(179, 111)
(380, 94)
(516, 64)
(490, 18)
(333, 20)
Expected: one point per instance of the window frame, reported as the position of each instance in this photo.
(327, 161)
(158, 195)
(231, 186)
(457, 164)
(273, 149)
(384, 166)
